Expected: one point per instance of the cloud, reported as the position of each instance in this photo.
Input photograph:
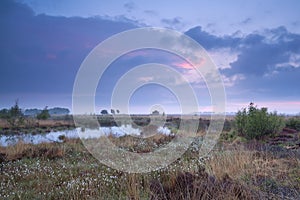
(175, 23)
(294, 61)
(183, 65)
(260, 55)
(223, 57)
(145, 78)
(151, 12)
(232, 80)
(15, 10)
(209, 41)
(246, 21)
(260, 65)
(256, 53)
(41, 54)
(296, 23)
(129, 6)
(255, 66)
(210, 25)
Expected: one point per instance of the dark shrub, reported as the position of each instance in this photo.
(255, 123)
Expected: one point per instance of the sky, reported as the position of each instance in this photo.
(254, 44)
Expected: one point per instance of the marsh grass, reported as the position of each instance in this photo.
(140, 145)
(262, 170)
(68, 171)
(23, 150)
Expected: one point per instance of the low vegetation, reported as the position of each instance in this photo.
(253, 160)
(253, 122)
(44, 114)
(15, 120)
(293, 123)
(68, 171)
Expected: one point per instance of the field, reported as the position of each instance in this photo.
(235, 169)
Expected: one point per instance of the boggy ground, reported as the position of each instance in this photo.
(35, 126)
(234, 170)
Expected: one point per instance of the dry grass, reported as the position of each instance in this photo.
(258, 169)
(23, 150)
(55, 123)
(68, 171)
(233, 163)
(4, 123)
(200, 186)
(140, 145)
(133, 187)
(34, 123)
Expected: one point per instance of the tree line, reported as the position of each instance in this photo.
(15, 116)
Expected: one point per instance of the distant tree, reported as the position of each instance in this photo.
(118, 111)
(59, 111)
(104, 112)
(44, 114)
(15, 116)
(112, 111)
(32, 112)
(4, 113)
(155, 112)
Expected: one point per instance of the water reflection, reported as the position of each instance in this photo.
(7, 140)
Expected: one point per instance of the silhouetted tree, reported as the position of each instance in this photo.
(112, 111)
(104, 112)
(155, 112)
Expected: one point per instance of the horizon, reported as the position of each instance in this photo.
(201, 113)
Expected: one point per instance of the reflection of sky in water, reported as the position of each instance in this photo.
(87, 133)
(37, 138)
(117, 131)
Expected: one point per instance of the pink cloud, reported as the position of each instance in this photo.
(187, 65)
(184, 65)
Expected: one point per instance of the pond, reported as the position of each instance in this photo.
(117, 131)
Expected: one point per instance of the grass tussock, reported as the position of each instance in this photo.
(233, 163)
(200, 186)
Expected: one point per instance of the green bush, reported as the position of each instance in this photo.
(228, 136)
(14, 116)
(293, 123)
(44, 114)
(4, 113)
(253, 122)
